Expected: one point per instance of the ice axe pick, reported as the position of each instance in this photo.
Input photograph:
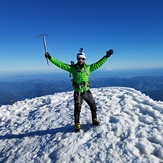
(44, 42)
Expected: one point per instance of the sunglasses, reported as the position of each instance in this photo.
(81, 59)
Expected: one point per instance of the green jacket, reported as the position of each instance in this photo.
(81, 76)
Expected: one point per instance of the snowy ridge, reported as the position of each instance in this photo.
(42, 129)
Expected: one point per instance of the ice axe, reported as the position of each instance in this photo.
(44, 41)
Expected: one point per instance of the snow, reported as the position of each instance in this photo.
(42, 130)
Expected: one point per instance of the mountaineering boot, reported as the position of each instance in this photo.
(77, 127)
(95, 122)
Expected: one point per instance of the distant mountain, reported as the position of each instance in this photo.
(156, 95)
(15, 90)
(150, 85)
(142, 83)
(20, 90)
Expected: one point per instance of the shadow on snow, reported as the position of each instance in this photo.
(64, 129)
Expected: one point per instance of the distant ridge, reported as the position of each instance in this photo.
(12, 91)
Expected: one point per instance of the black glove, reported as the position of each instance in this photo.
(47, 56)
(109, 53)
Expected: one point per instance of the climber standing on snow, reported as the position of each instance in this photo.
(81, 83)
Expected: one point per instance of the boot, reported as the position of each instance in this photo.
(77, 127)
(95, 122)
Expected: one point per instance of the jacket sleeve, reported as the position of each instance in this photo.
(61, 65)
(98, 64)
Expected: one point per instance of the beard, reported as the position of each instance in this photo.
(80, 64)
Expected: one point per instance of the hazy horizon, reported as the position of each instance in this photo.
(98, 73)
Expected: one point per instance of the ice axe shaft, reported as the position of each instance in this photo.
(44, 42)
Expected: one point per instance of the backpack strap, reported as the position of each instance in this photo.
(86, 70)
(72, 63)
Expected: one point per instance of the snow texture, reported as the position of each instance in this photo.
(41, 129)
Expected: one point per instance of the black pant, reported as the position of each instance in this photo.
(78, 100)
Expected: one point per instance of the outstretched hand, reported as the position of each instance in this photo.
(109, 53)
(47, 56)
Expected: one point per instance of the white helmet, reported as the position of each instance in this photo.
(81, 54)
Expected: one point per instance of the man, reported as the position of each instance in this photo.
(81, 83)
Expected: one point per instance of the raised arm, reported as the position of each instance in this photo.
(99, 63)
(58, 63)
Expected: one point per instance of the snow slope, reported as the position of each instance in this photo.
(41, 129)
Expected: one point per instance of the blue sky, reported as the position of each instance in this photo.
(132, 28)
